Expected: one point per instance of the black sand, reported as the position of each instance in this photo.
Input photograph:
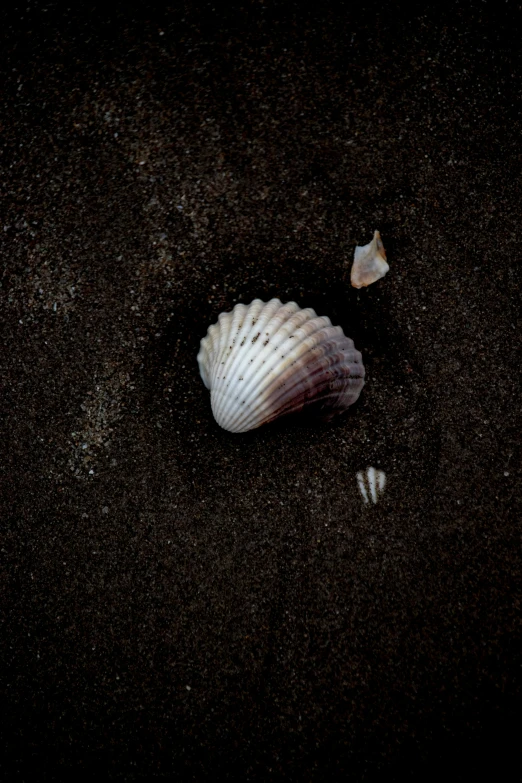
(181, 603)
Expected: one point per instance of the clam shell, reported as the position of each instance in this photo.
(266, 360)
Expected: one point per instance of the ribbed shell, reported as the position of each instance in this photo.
(266, 360)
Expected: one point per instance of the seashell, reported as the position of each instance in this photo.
(371, 484)
(266, 360)
(369, 263)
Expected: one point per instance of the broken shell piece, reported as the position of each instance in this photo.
(371, 484)
(369, 263)
(266, 360)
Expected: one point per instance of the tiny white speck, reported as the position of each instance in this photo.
(506, 473)
(188, 687)
(91, 472)
(142, 163)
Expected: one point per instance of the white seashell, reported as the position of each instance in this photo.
(369, 263)
(266, 360)
(371, 484)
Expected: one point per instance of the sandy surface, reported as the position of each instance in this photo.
(182, 601)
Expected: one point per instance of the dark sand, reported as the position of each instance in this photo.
(182, 603)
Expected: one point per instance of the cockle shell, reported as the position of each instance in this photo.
(369, 263)
(266, 360)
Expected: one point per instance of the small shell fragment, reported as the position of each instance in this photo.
(267, 359)
(369, 263)
(371, 484)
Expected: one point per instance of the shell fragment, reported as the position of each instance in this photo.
(371, 484)
(369, 263)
